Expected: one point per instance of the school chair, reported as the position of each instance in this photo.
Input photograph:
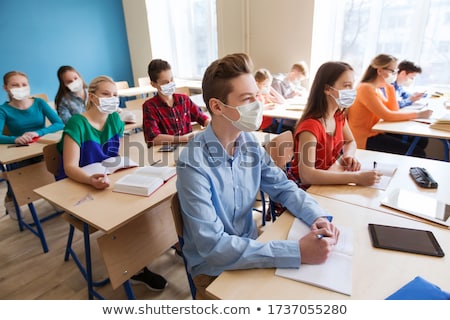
(135, 104)
(41, 95)
(178, 220)
(281, 150)
(52, 158)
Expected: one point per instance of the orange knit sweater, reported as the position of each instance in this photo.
(369, 107)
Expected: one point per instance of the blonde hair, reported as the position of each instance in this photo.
(301, 67)
(262, 75)
(93, 87)
(12, 73)
(379, 62)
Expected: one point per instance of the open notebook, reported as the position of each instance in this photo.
(387, 169)
(334, 274)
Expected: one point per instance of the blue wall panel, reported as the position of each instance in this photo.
(37, 37)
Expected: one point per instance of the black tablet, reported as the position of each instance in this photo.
(405, 239)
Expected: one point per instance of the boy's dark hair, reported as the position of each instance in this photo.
(155, 67)
(409, 67)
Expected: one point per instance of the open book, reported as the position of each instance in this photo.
(144, 181)
(335, 273)
(442, 123)
(387, 169)
(109, 165)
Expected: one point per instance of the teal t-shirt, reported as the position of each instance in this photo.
(32, 119)
(95, 145)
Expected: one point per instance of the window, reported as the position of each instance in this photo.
(184, 33)
(417, 30)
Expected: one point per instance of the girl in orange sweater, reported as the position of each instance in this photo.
(376, 100)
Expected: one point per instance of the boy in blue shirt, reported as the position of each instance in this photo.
(219, 174)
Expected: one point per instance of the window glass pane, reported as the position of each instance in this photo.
(417, 30)
(183, 32)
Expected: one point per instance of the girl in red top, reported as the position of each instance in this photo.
(324, 146)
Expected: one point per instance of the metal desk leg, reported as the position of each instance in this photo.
(412, 146)
(128, 290)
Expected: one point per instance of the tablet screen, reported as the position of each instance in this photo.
(418, 204)
(405, 239)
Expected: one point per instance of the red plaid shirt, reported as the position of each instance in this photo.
(158, 117)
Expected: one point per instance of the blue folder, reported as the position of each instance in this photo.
(419, 289)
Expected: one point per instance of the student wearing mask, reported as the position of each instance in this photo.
(168, 116)
(289, 86)
(219, 174)
(375, 100)
(407, 72)
(94, 136)
(72, 94)
(25, 119)
(268, 96)
(324, 147)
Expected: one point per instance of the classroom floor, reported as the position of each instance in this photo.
(29, 274)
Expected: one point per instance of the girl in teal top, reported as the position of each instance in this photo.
(23, 115)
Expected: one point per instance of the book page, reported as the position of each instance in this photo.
(109, 165)
(164, 173)
(334, 274)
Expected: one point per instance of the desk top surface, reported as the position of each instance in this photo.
(377, 273)
(371, 197)
(417, 127)
(9, 153)
(108, 210)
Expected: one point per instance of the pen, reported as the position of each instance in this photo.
(320, 236)
(157, 161)
(374, 164)
(18, 145)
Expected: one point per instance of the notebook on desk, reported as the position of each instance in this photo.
(334, 274)
(418, 204)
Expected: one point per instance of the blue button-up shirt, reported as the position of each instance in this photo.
(217, 193)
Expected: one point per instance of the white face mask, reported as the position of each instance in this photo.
(265, 90)
(168, 89)
(20, 93)
(408, 82)
(76, 85)
(391, 78)
(250, 116)
(346, 98)
(108, 105)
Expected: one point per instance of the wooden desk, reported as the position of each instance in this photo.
(139, 120)
(284, 112)
(419, 129)
(377, 273)
(22, 181)
(371, 198)
(9, 155)
(136, 91)
(136, 229)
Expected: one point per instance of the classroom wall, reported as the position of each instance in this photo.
(37, 37)
(280, 33)
(274, 33)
